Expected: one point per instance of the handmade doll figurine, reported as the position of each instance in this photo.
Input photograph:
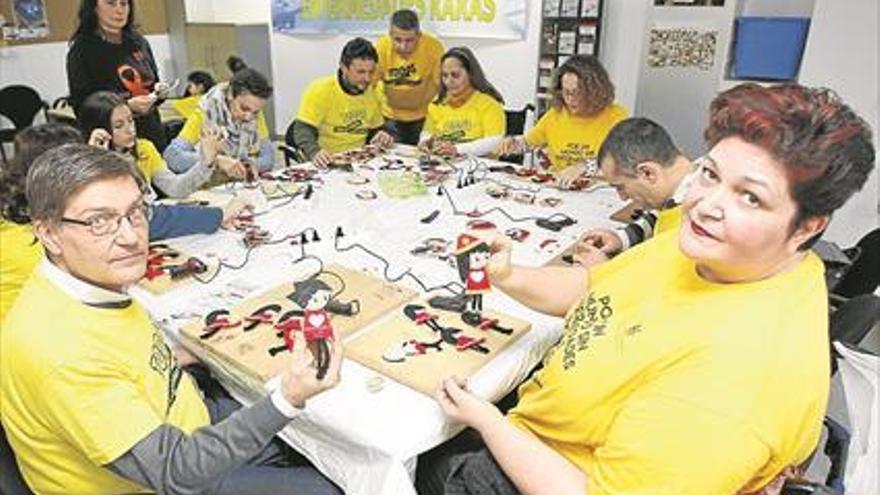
(315, 298)
(472, 257)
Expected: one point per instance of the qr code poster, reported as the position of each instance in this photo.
(682, 47)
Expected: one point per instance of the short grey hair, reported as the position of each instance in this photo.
(62, 172)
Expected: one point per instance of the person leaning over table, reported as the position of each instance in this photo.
(407, 74)
(93, 399)
(696, 362)
(232, 110)
(581, 114)
(639, 159)
(108, 54)
(467, 117)
(19, 251)
(340, 113)
(198, 82)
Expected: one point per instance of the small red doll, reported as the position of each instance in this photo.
(472, 257)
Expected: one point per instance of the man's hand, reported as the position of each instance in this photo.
(322, 159)
(464, 407)
(100, 138)
(588, 256)
(602, 239)
(382, 139)
(510, 146)
(300, 382)
(141, 104)
(232, 167)
(235, 213)
(566, 177)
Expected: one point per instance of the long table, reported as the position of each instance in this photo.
(366, 440)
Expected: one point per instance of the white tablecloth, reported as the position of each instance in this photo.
(367, 441)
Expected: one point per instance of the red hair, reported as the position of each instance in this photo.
(825, 148)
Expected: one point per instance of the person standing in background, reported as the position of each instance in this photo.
(107, 54)
(408, 75)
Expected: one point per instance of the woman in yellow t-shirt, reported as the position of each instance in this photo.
(105, 119)
(582, 113)
(19, 249)
(697, 362)
(198, 83)
(467, 117)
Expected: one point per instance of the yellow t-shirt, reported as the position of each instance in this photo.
(479, 117)
(149, 161)
(675, 385)
(19, 254)
(571, 139)
(668, 220)
(186, 106)
(192, 129)
(80, 386)
(342, 120)
(407, 85)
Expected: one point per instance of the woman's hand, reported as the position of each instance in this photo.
(236, 213)
(232, 167)
(510, 146)
(464, 407)
(141, 104)
(382, 139)
(209, 143)
(100, 138)
(445, 148)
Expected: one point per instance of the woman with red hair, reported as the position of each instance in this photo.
(697, 362)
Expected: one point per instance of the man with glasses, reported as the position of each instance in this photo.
(93, 399)
(639, 159)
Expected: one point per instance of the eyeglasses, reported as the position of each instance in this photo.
(104, 224)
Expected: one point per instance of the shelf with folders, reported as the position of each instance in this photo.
(568, 27)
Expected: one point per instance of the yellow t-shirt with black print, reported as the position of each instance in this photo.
(676, 385)
(479, 117)
(571, 139)
(19, 254)
(407, 85)
(81, 385)
(343, 120)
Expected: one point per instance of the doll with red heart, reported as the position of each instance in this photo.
(472, 257)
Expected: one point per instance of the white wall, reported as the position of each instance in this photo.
(841, 54)
(510, 65)
(228, 11)
(43, 66)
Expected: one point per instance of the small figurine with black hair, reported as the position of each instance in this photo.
(472, 257)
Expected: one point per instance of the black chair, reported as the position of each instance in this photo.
(292, 154)
(516, 119)
(849, 324)
(11, 482)
(19, 104)
(863, 275)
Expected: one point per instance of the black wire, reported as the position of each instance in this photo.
(454, 287)
(479, 214)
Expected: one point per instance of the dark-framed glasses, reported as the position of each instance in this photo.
(104, 224)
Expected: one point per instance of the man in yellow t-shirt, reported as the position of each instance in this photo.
(93, 399)
(408, 75)
(639, 159)
(340, 113)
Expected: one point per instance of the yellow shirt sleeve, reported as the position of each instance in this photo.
(313, 106)
(494, 122)
(537, 136)
(192, 129)
(262, 128)
(150, 162)
(430, 126)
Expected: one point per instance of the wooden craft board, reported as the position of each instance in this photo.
(247, 352)
(163, 284)
(423, 372)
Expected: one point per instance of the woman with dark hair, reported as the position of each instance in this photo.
(710, 375)
(108, 54)
(107, 122)
(198, 83)
(582, 113)
(19, 252)
(467, 117)
(234, 111)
